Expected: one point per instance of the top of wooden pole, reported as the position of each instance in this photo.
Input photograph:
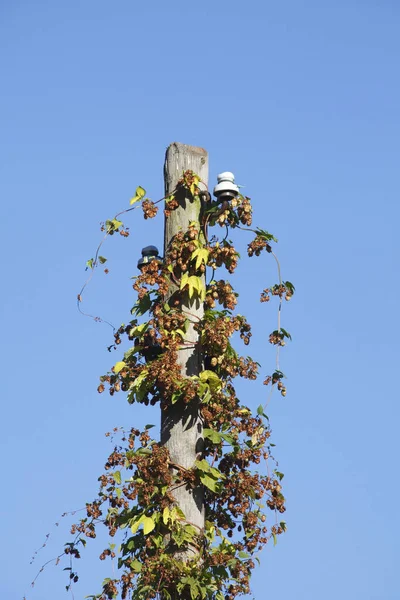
(182, 157)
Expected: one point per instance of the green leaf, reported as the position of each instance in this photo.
(289, 286)
(175, 397)
(117, 477)
(102, 260)
(166, 515)
(202, 465)
(201, 256)
(196, 285)
(139, 194)
(265, 235)
(135, 524)
(178, 511)
(212, 484)
(135, 565)
(149, 426)
(285, 333)
(275, 539)
(116, 224)
(119, 366)
(260, 411)
(184, 280)
(89, 263)
(141, 306)
(212, 379)
(139, 330)
(242, 554)
(148, 524)
(228, 438)
(212, 435)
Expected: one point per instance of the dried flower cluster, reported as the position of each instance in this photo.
(137, 487)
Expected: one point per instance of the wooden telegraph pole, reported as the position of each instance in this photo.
(181, 426)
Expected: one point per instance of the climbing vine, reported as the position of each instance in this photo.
(136, 495)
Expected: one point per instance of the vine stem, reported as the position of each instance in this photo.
(96, 262)
(279, 309)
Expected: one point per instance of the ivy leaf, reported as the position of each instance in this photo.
(119, 366)
(139, 194)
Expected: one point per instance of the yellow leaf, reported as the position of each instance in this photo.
(135, 525)
(139, 194)
(148, 525)
(184, 280)
(201, 254)
(177, 513)
(119, 366)
(166, 515)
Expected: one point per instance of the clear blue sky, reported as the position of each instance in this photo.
(301, 101)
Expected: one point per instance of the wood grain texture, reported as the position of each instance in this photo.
(181, 426)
